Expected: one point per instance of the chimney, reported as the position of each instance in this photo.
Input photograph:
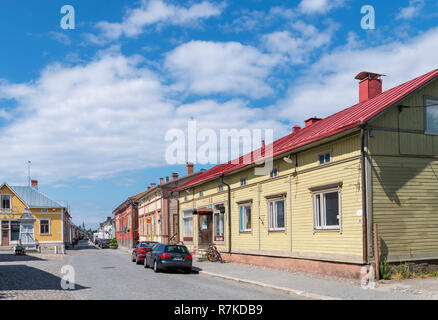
(263, 144)
(167, 179)
(153, 185)
(34, 184)
(174, 176)
(161, 180)
(311, 121)
(370, 85)
(189, 167)
(296, 129)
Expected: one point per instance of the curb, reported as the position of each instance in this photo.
(296, 292)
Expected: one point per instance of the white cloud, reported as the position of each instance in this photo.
(319, 6)
(413, 10)
(4, 114)
(298, 43)
(100, 119)
(330, 86)
(153, 12)
(204, 67)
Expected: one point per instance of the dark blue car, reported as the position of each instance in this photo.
(169, 256)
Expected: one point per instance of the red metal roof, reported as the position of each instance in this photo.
(339, 122)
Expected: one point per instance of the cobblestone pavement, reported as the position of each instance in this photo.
(31, 277)
(109, 274)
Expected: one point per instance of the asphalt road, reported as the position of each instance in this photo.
(110, 274)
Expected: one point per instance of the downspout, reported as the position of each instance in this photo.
(168, 216)
(229, 212)
(362, 126)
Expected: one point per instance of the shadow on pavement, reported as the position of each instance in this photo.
(22, 277)
(11, 257)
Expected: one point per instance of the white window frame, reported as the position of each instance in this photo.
(244, 206)
(220, 188)
(322, 210)
(217, 212)
(44, 210)
(201, 193)
(434, 101)
(272, 218)
(50, 227)
(325, 153)
(242, 180)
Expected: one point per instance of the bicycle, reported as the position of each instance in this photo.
(213, 254)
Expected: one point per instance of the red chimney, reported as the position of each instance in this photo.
(296, 129)
(167, 179)
(370, 85)
(161, 180)
(189, 167)
(311, 121)
(34, 183)
(174, 176)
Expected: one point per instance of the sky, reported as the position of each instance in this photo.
(90, 106)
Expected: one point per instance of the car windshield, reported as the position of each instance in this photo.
(147, 244)
(106, 241)
(176, 249)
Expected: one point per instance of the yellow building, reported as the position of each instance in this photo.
(373, 163)
(51, 222)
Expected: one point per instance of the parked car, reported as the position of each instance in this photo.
(104, 243)
(169, 256)
(96, 241)
(140, 251)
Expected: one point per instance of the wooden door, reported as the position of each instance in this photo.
(205, 223)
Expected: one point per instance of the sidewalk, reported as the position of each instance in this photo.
(307, 285)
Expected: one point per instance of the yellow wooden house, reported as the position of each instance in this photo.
(331, 181)
(49, 226)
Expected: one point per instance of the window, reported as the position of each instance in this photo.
(243, 181)
(201, 193)
(220, 188)
(325, 157)
(185, 198)
(245, 217)
(5, 202)
(276, 215)
(326, 208)
(187, 225)
(218, 221)
(274, 173)
(45, 226)
(431, 115)
(44, 210)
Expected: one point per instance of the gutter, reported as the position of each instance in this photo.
(362, 126)
(229, 212)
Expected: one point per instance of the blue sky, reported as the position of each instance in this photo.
(90, 107)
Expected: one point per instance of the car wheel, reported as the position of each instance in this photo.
(188, 270)
(146, 263)
(156, 266)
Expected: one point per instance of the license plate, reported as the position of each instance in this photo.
(178, 259)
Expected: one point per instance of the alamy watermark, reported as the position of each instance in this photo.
(68, 277)
(368, 21)
(236, 146)
(68, 20)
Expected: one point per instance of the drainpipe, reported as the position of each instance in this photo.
(362, 126)
(229, 212)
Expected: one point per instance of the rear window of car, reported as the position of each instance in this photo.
(147, 244)
(176, 249)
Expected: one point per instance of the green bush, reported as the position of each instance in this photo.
(113, 242)
(384, 270)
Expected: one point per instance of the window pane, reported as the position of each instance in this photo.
(219, 225)
(431, 116)
(15, 230)
(280, 214)
(317, 210)
(327, 157)
(241, 218)
(248, 218)
(321, 159)
(332, 209)
(271, 214)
